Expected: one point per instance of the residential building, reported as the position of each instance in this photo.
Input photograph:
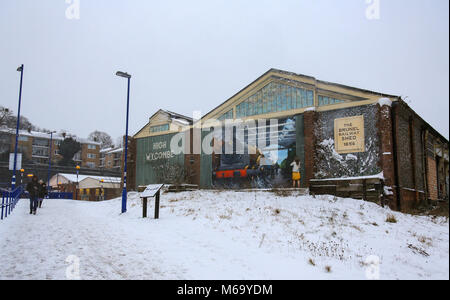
(35, 147)
(111, 158)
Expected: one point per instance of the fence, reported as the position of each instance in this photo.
(66, 196)
(9, 201)
(369, 189)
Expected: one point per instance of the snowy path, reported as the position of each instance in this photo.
(36, 247)
(222, 235)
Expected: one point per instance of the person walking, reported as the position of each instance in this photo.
(33, 188)
(42, 192)
(296, 176)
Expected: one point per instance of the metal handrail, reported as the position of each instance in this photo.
(9, 201)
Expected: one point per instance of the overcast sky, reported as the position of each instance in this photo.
(194, 55)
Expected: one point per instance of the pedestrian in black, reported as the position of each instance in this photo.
(42, 192)
(33, 189)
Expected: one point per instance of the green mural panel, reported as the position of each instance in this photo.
(301, 145)
(156, 163)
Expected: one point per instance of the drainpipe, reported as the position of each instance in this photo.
(394, 146)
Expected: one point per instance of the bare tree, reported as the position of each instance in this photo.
(5, 116)
(103, 138)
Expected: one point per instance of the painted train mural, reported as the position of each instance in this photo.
(265, 166)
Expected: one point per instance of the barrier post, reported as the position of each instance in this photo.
(3, 203)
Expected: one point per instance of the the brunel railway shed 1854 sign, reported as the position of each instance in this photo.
(349, 135)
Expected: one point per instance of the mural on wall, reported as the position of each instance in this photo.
(352, 160)
(156, 163)
(268, 151)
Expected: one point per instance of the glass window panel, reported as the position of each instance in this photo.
(310, 98)
(288, 98)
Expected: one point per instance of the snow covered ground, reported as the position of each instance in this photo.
(222, 235)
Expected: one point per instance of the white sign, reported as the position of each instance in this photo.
(151, 190)
(18, 163)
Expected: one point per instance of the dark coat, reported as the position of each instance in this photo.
(42, 190)
(33, 188)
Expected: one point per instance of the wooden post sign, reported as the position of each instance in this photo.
(153, 190)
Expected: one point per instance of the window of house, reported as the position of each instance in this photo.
(23, 138)
(159, 128)
(91, 156)
(92, 147)
(41, 142)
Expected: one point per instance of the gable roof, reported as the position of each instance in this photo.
(172, 115)
(291, 74)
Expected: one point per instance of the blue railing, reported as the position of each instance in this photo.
(9, 201)
(67, 196)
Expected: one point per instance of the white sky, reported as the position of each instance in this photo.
(193, 55)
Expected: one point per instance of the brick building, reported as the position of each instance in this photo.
(111, 158)
(35, 148)
(348, 140)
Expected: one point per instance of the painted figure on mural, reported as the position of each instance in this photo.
(296, 176)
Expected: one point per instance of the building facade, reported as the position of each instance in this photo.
(111, 158)
(340, 134)
(35, 148)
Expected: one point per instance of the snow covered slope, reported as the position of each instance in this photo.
(223, 235)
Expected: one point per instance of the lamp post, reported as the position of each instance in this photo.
(76, 188)
(21, 176)
(13, 181)
(50, 161)
(124, 192)
(101, 190)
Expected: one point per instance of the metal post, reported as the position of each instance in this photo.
(124, 192)
(144, 208)
(13, 181)
(157, 204)
(76, 188)
(3, 203)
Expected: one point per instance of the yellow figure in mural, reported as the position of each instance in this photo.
(296, 176)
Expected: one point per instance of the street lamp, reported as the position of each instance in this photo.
(101, 190)
(21, 176)
(76, 188)
(124, 192)
(13, 181)
(50, 161)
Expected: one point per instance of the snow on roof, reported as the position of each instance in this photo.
(118, 150)
(73, 178)
(43, 135)
(184, 122)
(106, 150)
(378, 176)
(111, 150)
(34, 134)
(385, 101)
(86, 141)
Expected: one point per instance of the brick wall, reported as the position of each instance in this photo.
(84, 155)
(310, 119)
(384, 126)
(131, 164)
(431, 178)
